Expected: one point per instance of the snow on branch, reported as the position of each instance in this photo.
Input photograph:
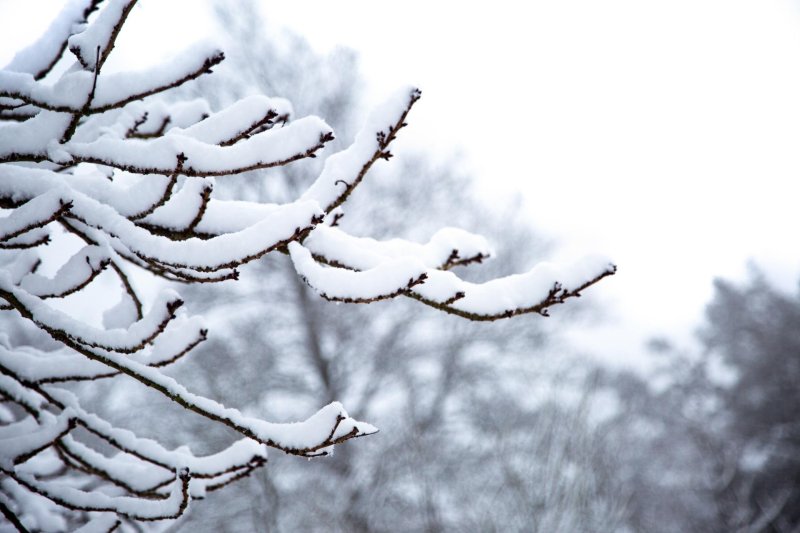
(344, 171)
(118, 90)
(447, 248)
(278, 226)
(93, 44)
(135, 476)
(31, 239)
(142, 466)
(22, 440)
(39, 58)
(363, 270)
(185, 155)
(98, 159)
(35, 213)
(144, 509)
(276, 229)
(112, 91)
(385, 280)
(31, 140)
(535, 291)
(238, 455)
(330, 426)
(20, 184)
(19, 393)
(178, 339)
(152, 120)
(239, 121)
(60, 325)
(73, 276)
(182, 210)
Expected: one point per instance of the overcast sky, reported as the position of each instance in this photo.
(665, 134)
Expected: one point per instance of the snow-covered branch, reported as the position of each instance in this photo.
(344, 171)
(112, 91)
(39, 58)
(85, 158)
(360, 270)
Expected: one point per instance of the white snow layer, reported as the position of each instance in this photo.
(160, 155)
(125, 86)
(235, 119)
(342, 169)
(365, 269)
(93, 41)
(38, 56)
(363, 252)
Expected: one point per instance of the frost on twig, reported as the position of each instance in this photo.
(92, 156)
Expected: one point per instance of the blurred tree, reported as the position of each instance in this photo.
(716, 445)
(754, 331)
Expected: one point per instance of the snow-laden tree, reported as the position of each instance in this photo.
(435, 466)
(105, 182)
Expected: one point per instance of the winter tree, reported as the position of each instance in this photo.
(100, 181)
(712, 442)
(753, 341)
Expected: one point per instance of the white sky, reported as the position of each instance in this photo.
(664, 133)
